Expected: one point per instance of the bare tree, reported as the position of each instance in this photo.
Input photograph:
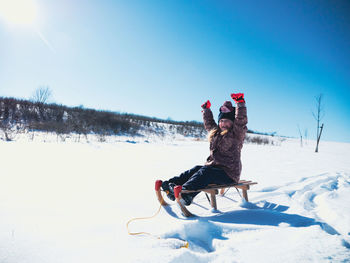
(318, 117)
(41, 94)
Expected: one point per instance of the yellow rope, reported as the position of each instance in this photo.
(141, 218)
(185, 245)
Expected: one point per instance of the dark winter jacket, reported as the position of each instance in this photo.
(225, 150)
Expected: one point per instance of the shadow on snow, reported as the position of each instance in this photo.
(203, 230)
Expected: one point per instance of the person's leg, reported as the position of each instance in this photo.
(185, 176)
(203, 177)
(168, 186)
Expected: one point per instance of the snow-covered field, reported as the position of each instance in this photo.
(70, 202)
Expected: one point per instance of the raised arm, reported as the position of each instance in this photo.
(208, 119)
(241, 119)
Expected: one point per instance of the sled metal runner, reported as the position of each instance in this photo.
(212, 189)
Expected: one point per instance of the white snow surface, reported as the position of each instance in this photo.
(70, 202)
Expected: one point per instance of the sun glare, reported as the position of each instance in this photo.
(19, 12)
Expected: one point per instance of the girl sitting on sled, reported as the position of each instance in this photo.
(223, 166)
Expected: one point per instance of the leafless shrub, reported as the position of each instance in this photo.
(7, 130)
(258, 140)
(41, 95)
(101, 137)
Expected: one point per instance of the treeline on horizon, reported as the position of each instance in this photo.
(37, 116)
(27, 115)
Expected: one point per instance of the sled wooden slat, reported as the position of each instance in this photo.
(160, 198)
(213, 198)
(241, 185)
(183, 208)
(244, 185)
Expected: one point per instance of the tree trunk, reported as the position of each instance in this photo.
(318, 139)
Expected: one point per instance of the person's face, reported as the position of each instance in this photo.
(225, 124)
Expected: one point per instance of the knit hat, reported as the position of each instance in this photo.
(227, 111)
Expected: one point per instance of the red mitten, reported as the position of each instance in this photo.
(238, 97)
(206, 105)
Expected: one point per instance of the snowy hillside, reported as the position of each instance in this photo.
(24, 118)
(70, 202)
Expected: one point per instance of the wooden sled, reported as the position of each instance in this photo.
(212, 189)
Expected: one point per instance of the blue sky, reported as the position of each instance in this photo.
(165, 58)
